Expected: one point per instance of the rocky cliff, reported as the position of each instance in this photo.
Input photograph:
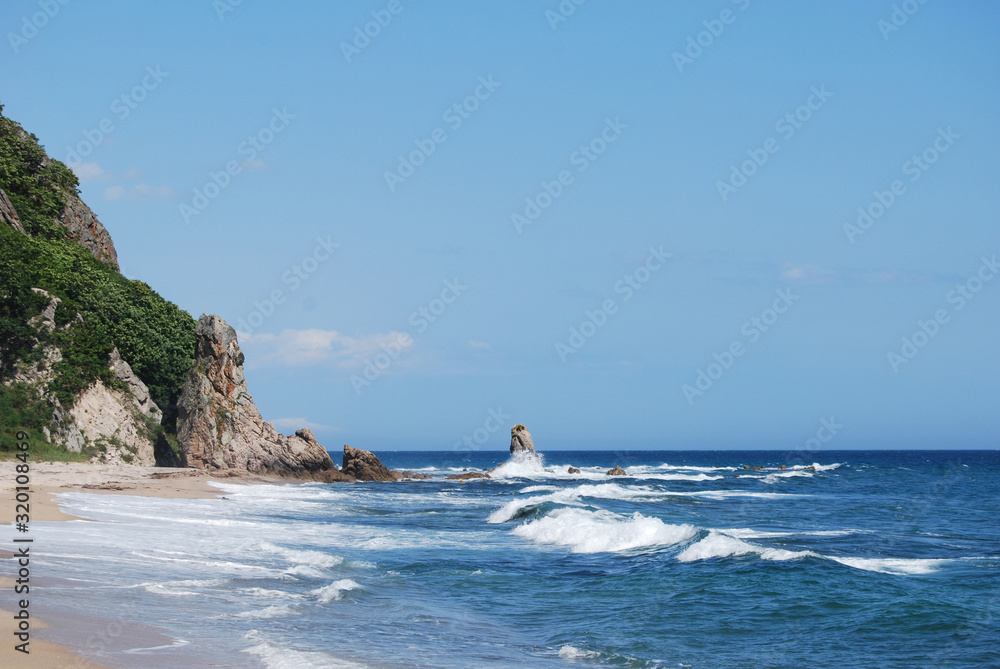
(220, 427)
(82, 226)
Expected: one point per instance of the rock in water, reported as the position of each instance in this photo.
(467, 476)
(520, 439)
(220, 427)
(574, 470)
(617, 471)
(365, 466)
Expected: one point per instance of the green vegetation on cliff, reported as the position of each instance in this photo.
(153, 335)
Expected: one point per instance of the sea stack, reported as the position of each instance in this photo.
(520, 439)
(220, 427)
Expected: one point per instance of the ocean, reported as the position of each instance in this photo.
(841, 559)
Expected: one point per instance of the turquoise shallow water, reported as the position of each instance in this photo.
(866, 559)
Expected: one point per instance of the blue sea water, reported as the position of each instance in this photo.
(841, 559)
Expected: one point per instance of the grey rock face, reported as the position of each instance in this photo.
(520, 439)
(83, 226)
(138, 390)
(8, 214)
(220, 427)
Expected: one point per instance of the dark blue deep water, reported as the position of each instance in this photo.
(841, 559)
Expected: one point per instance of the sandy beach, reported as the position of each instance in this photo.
(51, 479)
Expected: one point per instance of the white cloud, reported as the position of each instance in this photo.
(808, 273)
(478, 345)
(91, 172)
(296, 348)
(293, 424)
(139, 192)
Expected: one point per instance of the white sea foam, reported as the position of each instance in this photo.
(574, 653)
(891, 565)
(335, 590)
(717, 545)
(571, 496)
(277, 657)
(586, 531)
(305, 571)
(746, 533)
(273, 611)
(266, 593)
(305, 557)
(523, 464)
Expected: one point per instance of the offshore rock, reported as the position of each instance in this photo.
(617, 471)
(573, 470)
(365, 466)
(467, 476)
(520, 439)
(220, 427)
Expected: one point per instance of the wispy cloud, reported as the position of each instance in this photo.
(296, 348)
(139, 192)
(292, 424)
(808, 274)
(91, 172)
(479, 345)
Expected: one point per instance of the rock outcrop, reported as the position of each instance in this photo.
(365, 466)
(468, 476)
(573, 470)
(617, 471)
(8, 214)
(83, 226)
(220, 427)
(520, 439)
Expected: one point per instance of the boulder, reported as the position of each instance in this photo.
(617, 471)
(365, 466)
(468, 475)
(219, 427)
(574, 470)
(520, 440)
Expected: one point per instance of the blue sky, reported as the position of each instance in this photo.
(594, 177)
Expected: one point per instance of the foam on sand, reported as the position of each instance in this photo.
(586, 531)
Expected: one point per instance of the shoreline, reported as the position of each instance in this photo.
(48, 481)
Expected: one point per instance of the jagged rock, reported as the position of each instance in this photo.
(407, 474)
(468, 475)
(83, 226)
(220, 427)
(365, 466)
(520, 439)
(574, 470)
(111, 420)
(8, 214)
(617, 471)
(123, 372)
